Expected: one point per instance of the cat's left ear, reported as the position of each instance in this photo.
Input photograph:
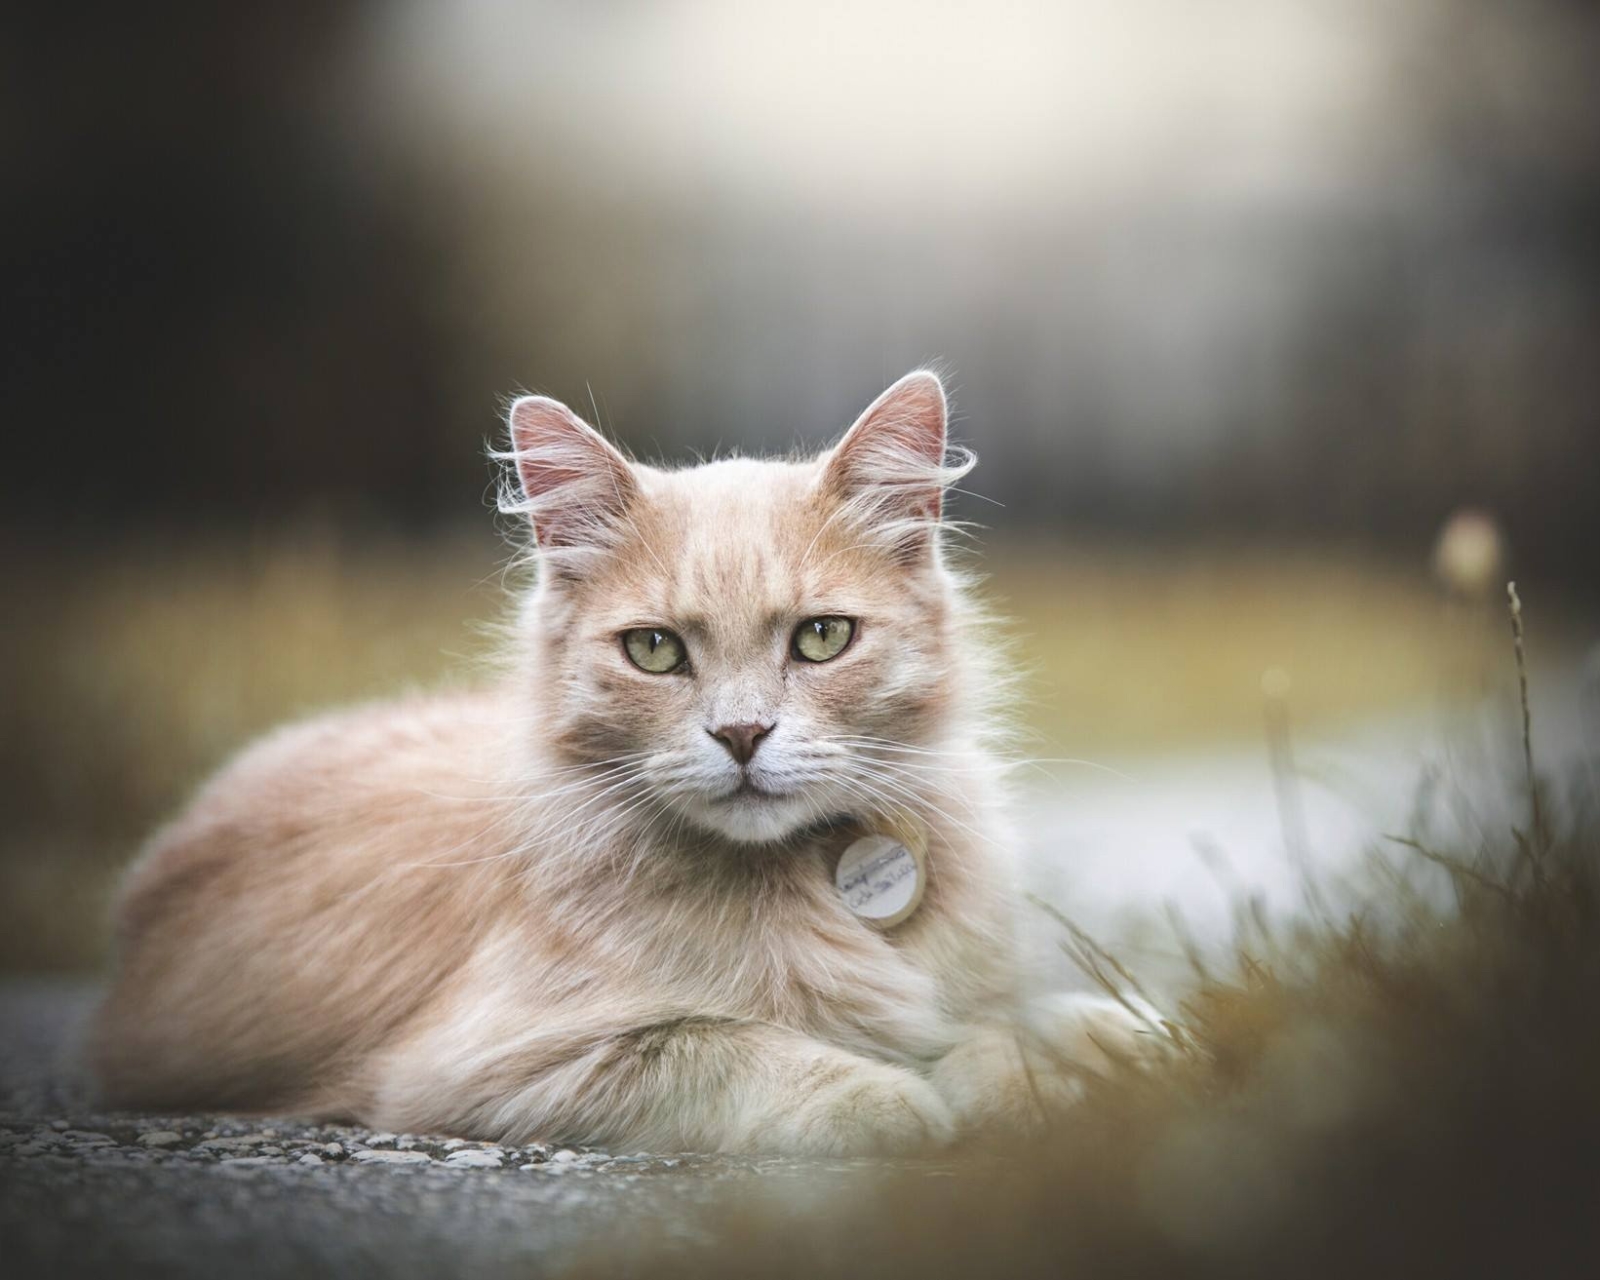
(575, 486)
(892, 464)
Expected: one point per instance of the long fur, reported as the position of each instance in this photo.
(533, 911)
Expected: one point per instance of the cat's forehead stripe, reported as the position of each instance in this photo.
(728, 540)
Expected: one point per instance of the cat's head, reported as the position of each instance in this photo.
(751, 646)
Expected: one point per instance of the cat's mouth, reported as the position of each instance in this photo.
(749, 789)
(754, 812)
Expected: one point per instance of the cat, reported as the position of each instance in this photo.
(596, 903)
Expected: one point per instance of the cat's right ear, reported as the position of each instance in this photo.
(892, 467)
(575, 485)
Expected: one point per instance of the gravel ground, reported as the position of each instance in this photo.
(86, 1193)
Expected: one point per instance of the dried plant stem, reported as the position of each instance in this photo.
(1108, 973)
(1454, 866)
(1539, 840)
(1286, 788)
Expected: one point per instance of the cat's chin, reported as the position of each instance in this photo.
(754, 818)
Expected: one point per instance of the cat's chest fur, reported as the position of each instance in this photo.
(772, 941)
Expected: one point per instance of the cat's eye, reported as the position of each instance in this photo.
(818, 639)
(654, 650)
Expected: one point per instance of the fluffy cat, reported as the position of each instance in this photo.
(596, 903)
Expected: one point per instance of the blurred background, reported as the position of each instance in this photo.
(1241, 302)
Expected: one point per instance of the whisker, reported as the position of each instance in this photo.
(885, 744)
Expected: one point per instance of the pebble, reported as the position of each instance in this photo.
(219, 1145)
(310, 1160)
(489, 1159)
(393, 1157)
(563, 1156)
(160, 1138)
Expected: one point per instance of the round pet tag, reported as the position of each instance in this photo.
(881, 879)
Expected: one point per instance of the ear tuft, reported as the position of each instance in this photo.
(575, 486)
(891, 465)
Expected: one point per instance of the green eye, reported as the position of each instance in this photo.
(818, 639)
(654, 650)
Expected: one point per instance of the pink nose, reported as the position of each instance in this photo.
(741, 739)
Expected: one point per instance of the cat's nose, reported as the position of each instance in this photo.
(741, 739)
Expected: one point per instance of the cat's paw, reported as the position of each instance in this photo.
(1002, 1082)
(1096, 1033)
(998, 1088)
(851, 1107)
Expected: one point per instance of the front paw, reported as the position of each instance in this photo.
(1004, 1083)
(1001, 1087)
(1096, 1033)
(851, 1107)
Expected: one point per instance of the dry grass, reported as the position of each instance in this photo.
(135, 670)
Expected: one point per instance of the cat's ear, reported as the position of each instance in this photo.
(891, 466)
(575, 486)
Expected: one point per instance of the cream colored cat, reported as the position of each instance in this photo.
(597, 903)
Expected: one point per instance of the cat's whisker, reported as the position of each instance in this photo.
(1033, 762)
(508, 816)
(540, 822)
(529, 797)
(554, 772)
(390, 871)
(889, 744)
(910, 798)
(913, 781)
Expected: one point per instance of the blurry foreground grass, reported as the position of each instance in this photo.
(133, 671)
(1405, 1091)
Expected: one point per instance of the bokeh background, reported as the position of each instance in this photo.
(1240, 302)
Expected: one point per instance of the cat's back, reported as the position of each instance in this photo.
(336, 784)
(312, 893)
